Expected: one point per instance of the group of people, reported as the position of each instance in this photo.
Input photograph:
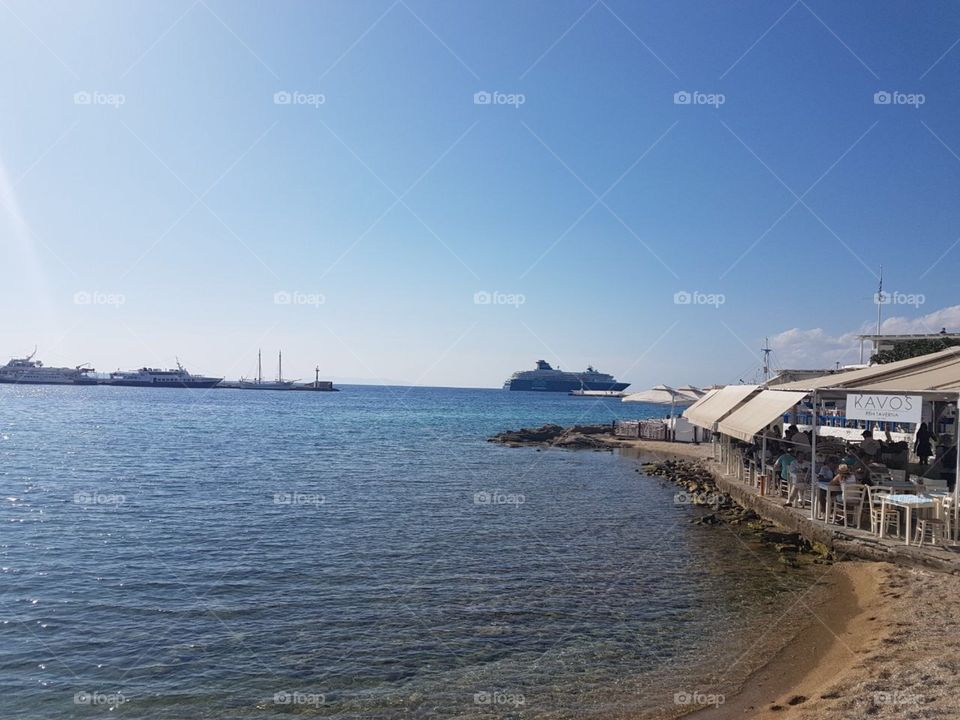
(794, 446)
(850, 468)
(782, 450)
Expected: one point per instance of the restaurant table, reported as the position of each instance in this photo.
(829, 490)
(908, 503)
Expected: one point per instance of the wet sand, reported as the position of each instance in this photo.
(826, 649)
(881, 644)
(896, 656)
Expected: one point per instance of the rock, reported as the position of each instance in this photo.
(579, 437)
(528, 435)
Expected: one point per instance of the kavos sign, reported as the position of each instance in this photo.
(887, 408)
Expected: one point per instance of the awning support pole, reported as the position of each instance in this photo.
(956, 477)
(813, 459)
(763, 453)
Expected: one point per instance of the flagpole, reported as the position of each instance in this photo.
(879, 301)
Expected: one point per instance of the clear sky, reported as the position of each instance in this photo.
(201, 179)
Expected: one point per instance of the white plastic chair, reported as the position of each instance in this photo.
(849, 506)
(879, 518)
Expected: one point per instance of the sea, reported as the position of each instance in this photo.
(177, 553)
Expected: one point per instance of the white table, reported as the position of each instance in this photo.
(908, 503)
(830, 490)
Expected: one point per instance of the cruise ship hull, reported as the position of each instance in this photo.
(558, 385)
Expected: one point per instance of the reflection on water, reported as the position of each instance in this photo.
(365, 554)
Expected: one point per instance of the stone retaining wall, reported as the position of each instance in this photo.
(840, 541)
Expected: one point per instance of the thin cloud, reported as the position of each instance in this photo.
(817, 348)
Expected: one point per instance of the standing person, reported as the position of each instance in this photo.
(782, 466)
(922, 446)
(869, 446)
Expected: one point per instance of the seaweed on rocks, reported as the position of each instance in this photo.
(699, 489)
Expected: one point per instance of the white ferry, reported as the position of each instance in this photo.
(27, 371)
(154, 377)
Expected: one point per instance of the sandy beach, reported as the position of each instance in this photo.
(883, 648)
(880, 644)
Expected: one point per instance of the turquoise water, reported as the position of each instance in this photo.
(231, 554)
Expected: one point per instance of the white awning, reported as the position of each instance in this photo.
(716, 404)
(758, 412)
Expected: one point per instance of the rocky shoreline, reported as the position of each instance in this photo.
(699, 488)
(578, 437)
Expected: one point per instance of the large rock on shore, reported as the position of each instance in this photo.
(589, 437)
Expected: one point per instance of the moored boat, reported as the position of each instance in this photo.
(27, 371)
(154, 377)
(260, 384)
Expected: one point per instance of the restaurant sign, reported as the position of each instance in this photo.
(893, 408)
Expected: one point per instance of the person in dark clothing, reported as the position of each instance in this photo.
(949, 470)
(922, 447)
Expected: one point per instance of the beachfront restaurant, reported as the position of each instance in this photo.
(873, 449)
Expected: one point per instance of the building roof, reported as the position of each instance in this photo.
(934, 371)
(919, 336)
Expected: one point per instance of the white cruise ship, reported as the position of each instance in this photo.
(27, 371)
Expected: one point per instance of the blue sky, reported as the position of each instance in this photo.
(159, 198)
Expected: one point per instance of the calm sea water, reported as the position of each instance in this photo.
(231, 554)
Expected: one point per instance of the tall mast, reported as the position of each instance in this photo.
(879, 302)
(259, 368)
(280, 366)
(766, 350)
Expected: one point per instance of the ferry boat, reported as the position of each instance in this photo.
(27, 371)
(154, 377)
(547, 379)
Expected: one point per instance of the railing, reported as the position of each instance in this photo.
(641, 429)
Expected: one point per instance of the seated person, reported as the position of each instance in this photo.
(825, 473)
(844, 476)
(850, 458)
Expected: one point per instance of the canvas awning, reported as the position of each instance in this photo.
(758, 412)
(931, 371)
(716, 404)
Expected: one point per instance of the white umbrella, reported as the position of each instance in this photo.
(662, 395)
(692, 390)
